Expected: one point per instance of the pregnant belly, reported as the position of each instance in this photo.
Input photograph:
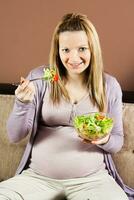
(59, 153)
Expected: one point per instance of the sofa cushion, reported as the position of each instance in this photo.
(124, 160)
(10, 154)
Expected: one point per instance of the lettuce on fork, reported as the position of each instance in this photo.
(93, 126)
(50, 74)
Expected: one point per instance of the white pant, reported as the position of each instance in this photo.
(31, 186)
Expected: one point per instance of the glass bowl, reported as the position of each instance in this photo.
(93, 126)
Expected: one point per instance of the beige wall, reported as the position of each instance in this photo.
(26, 28)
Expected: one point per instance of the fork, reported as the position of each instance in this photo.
(30, 80)
(34, 79)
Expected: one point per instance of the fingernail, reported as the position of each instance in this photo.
(22, 80)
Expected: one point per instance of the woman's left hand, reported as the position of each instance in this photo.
(97, 142)
(101, 141)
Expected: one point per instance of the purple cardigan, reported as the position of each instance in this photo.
(27, 114)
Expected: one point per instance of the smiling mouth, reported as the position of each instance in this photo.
(75, 65)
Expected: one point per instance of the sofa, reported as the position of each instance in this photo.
(10, 154)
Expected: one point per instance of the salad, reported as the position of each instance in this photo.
(93, 126)
(50, 74)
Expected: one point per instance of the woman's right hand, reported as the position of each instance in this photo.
(25, 91)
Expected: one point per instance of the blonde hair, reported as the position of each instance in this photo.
(94, 77)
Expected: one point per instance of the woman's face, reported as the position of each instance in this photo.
(74, 51)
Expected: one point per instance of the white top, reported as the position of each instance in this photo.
(58, 152)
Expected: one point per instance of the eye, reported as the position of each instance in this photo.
(65, 50)
(82, 49)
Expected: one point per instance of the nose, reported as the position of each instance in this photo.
(74, 56)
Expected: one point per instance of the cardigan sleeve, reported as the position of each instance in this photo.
(21, 119)
(114, 101)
